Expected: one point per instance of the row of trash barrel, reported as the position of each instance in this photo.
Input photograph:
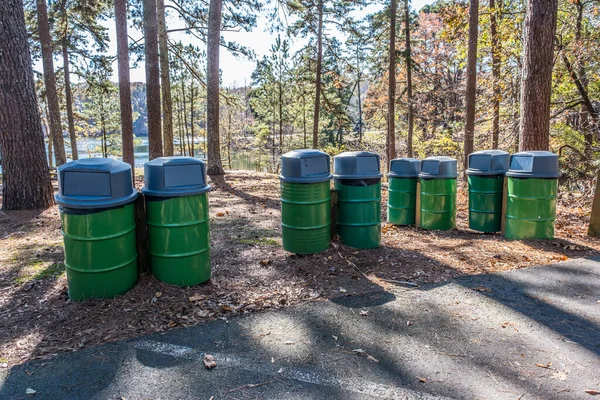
(96, 198)
(530, 180)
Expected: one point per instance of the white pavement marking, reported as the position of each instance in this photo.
(355, 385)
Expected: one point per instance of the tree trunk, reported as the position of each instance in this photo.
(304, 117)
(124, 84)
(358, 94)
(186, 144)
(409, 92)
(165, 80)
(496, 50)
(536, 82)
(50, 82)
(69, 100)
(390, 147)
(152, 79)
(584, 112)
(280, 116)
(594, 226)
(317, 109)
(471, 82)
(229, 139)
(192, 117)
(215, 167)
(25, 176)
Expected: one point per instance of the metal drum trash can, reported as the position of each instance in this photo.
(177, 219)
(531, 195)
(357, 179)
(402, 191)
(305, 201)
(438, 193)
(96, 198)
(485, 177)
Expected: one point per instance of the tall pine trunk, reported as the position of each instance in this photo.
(25, 176)
(215, 167)
(192, 96)
(315, 141)
(390, 147)
(471, 91)
(69, 100)
(124, 83)
(536, 81)
(152, 79)
(584, 113)
(50, 82)
(165, 79)
(409, 92)
(496, 50)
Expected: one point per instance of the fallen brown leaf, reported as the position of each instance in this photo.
(209, 361)
(592, 392)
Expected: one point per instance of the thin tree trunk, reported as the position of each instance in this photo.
(280, 116)
(180, 127)
(409, 92)
(185, 121)
(316, 111)
(215, 166)
(390, 147)
(47, 131)
(304, 117)
(358, 94)
(69, 100)
(25, 176)
(50, 82)
(471, 91)
(152, 79)
(192, 117)
(165, 80)
(496, 50)
(584, 111)
(536, 82)
(124, 84)
(229, 139)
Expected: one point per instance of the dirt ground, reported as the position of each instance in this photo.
(251, 272)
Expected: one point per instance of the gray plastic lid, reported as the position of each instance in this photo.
(534, 164)
(305, 166)
(95, 183)
(441, 167)
(356, 165)
(404, 168)
(175, 177)
(488, 162)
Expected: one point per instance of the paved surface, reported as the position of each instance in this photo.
(525, 334)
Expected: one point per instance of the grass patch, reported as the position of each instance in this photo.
(259, 241)
(40, 270)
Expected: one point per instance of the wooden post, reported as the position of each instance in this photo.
(594, 228)
(141, 234)
(333, 227)
(504, 202)
(418, 205)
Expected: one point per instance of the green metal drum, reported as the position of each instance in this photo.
(485, 202)
(531, 208)
(100, 252)
(178, 220)
(531, 195)
(305, 216)
(305, 201)
(402, 191)
(438, 193)
(179, 239)
(359, 214)
(98, 225)
(438, 204)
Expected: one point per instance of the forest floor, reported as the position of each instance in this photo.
(250, 270)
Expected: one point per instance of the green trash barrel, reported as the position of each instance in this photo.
(96, 198)
(438, 193)
(305, 201)
(531, 195)
(485, 177)
(402, 191)
(357, 179)
(177, 218)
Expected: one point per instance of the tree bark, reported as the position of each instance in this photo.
(409, 92)
(165, 79)
(192, 150)
(124, 84)
(50, 82)
(25, 175)
(584, 113)
(152, 79)
(496, 50)
(471, 91)
(390, 147)
(215, 167)
(536, 82)
(317, 108)
(69, 100)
